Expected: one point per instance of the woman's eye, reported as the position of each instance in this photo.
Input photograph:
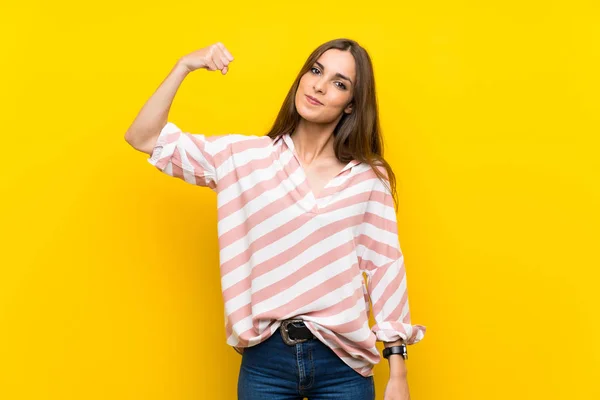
(315, 70)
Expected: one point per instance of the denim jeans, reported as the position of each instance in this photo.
(273, 370)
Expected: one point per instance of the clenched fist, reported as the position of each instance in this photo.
(214, 57)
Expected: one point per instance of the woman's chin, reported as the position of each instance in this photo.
(309, 114)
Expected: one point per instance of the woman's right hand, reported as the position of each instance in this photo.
(214, 57)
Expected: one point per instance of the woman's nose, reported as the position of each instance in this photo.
(318, 86)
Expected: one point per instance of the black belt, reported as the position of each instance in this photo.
(294, 331)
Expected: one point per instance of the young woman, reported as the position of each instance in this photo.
(307, 229)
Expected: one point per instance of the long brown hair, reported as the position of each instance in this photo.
(357, 135)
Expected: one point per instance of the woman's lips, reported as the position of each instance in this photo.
(313, 101)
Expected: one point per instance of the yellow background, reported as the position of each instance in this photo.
(109, 279)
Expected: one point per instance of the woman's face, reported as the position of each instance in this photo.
(330, 81)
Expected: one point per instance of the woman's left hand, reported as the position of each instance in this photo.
(396, 389)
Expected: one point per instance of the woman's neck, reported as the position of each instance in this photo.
(313, 141)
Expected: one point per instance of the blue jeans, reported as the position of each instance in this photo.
(272, 370)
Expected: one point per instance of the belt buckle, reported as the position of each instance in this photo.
(285, 334)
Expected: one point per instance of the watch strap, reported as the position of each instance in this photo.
(401, 349)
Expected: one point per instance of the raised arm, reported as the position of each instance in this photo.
(152, 118)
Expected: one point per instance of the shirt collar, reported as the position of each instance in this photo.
(290, 144)
(277, 139)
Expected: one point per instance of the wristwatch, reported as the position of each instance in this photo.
(388, 351)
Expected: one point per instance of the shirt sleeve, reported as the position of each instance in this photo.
(191, 157)
(381, 258)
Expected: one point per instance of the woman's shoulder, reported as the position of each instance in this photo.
(238, 141)
(248, 140)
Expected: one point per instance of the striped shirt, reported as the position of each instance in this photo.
(286, 253)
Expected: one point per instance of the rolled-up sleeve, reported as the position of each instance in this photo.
(381, 258)
(187, 156)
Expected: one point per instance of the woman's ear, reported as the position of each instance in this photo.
(348, 109)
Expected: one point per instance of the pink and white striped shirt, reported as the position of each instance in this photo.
(285, 252)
